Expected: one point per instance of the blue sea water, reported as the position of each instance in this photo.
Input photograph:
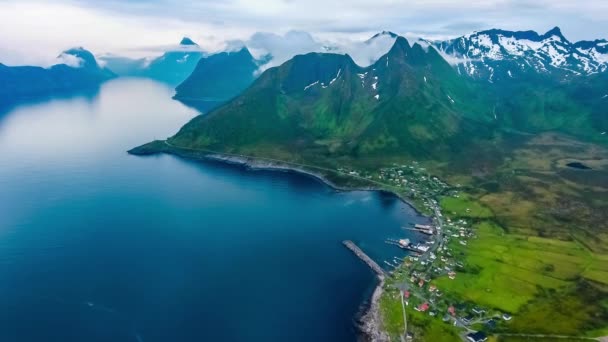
(98, 245)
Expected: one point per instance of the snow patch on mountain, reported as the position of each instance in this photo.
(311, 85)
(496, 54)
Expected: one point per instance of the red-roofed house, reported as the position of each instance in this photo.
(422, 307)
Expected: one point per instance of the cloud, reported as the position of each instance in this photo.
(366, 52)
(70, 60)
(282, 47)
(33, 30)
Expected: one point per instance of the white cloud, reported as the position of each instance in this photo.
(366, 52)
(69, 60)
(33, 31)
(282, 47)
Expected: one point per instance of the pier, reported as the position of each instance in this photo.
(366, 259)
(407, 247)
(428, 230)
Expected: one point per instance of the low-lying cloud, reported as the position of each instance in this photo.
(33, 30)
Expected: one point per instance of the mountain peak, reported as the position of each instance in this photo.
(385, 33)
(400, 46)
(187, 41)
(556, 31)
(78, 57)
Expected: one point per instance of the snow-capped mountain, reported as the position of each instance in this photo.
(498, 54)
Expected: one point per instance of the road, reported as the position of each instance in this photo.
(404, 316)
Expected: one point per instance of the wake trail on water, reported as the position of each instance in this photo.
(103, 309)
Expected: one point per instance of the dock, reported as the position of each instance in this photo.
(407, 247)
(428, 230)
(366, 259)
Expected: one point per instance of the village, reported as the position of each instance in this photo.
(414, 276)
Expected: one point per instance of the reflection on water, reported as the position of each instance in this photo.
(9, 104)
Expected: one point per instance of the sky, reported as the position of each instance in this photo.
(34, 32)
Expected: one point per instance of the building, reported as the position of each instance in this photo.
(422, 307)
(477, 337)
(506, 317)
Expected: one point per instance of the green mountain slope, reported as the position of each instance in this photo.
(324, 104)
(219, 77)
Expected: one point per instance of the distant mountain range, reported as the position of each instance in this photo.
(173, 67)
(78, 70)
(522, 68)
(427, 100)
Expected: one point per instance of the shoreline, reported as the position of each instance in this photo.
(258, 164)
(369, 320)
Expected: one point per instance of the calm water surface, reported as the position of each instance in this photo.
(98, 245)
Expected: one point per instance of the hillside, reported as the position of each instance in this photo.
(324, 104)
(219, 77)
(410, 102)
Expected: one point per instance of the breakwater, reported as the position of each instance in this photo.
(366, 259)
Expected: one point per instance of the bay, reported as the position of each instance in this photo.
(98, 245)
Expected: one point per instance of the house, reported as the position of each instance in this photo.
(406, 294)
(452, 275)
(422, 307)
(432, 288)
(477, 337)
(452, 310)
(506, 317)
(421, 283)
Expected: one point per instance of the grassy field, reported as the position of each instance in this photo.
(424, 327)
(540, 281)
(463, 206)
